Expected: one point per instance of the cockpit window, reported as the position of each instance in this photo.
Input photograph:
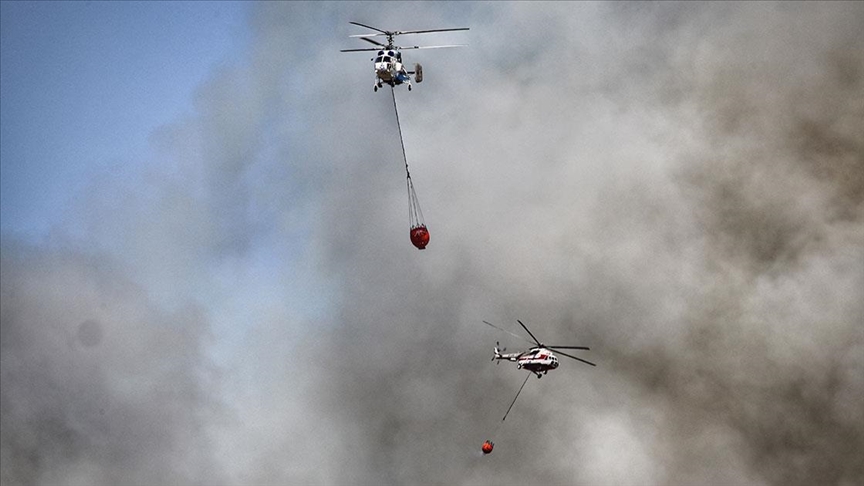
(391, 53)
(378, 59)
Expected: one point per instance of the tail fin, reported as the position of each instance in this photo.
(497, 351)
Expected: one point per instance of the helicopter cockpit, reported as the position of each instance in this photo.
(388, 57)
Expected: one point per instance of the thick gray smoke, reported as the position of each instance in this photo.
(99, 386)
(678, 186)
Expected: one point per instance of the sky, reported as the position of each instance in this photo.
(207, 276)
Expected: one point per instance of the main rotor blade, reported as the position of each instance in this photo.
(373, 41)
(370, 27)
(428, 31)
(517, 396)
(577, 359)
(529, 332)
(568, 347)
(432, 47)
(508, 332)
(358, 50)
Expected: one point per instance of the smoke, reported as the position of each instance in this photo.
(677, 186)
(99, 386)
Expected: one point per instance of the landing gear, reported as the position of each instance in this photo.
(375, 88)
(409, 86)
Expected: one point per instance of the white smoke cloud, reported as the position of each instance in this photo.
(677, 186)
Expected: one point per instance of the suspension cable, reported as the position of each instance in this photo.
(399, 125)
(415, 214)
(517, 396)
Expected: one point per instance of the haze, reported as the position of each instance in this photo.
(207, 276)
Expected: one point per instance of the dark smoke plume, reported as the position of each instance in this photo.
(678, 186)
(682, 193)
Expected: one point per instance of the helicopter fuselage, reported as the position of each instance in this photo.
(388, 61)
(537, 360)
(389, 69)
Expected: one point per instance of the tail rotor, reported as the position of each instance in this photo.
(498, 351)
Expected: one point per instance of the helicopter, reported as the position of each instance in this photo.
(388, 61)
(539, 359)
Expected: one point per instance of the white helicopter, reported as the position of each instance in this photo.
(388, 61)
(539, 359)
